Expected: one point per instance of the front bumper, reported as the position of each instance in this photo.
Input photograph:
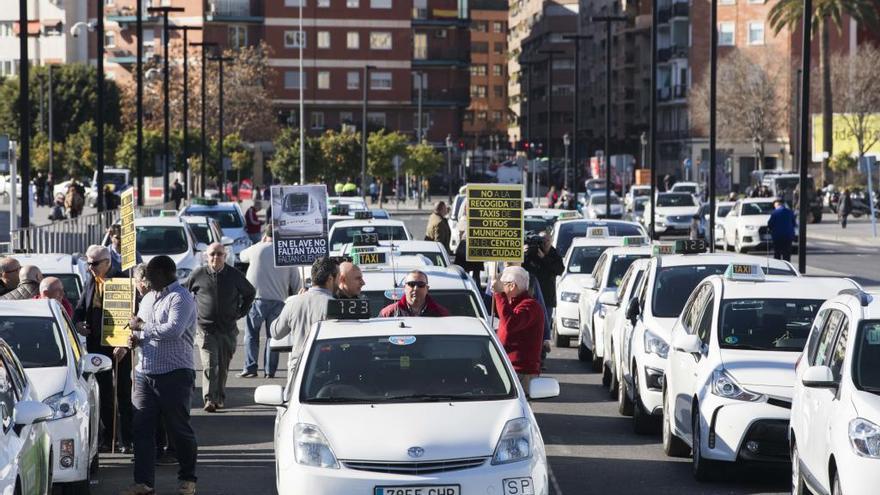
(754, 239)
(651, 378)
(74, 428)
(672, 227)
(730, 426)
(567, 319)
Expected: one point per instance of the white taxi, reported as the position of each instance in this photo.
(169, 236)
(745, 226)
(692, 188)
(730, 371)
(605, 279)
(344, 232)
(228, 215)
(439, 410)
(539, 220)
(597, 206)
(834, 432)
(570, 226)
(666, 285)
(674, 213)
(63, 377)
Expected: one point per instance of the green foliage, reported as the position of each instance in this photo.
(284, 164)
(80, 155)
(341, 154)
(842, 162)
(242, 158)
(40, 154)
(789, 13)
(422, 160)
(382, 147)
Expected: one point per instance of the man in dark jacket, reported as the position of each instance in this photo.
(438, 229)
(223, 295)
(350, 281)
(415, 300)
(782, 223)
(28, 286)
(545, 264)
(9, 267)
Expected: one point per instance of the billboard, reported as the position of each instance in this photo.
(299, 224)
(844, 140)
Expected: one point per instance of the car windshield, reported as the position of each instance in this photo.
(227, 218)
(162, 239)
(569, 230)
(71, 284)
(583, 258)
(766, 324)
(866, 373)
(457, 302)
(538, 224)
(723, 211)
(685, 189)
(295, 203)
(787, 184)
(595, 184)
(345, 235)
(37, 341)
(599, 200)
(118, 179)
(406, 368)
(675, 199)
(757, 208)
(619, 266)
(201, 232)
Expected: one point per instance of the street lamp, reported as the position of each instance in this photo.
(550, 54)
(566, 140)
(449, 164)
(576, 40)
(204, 45)
(220, 59)
(364, 124)
(655, 21)
(185, 151)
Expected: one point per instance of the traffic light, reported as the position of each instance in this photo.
(461, 144)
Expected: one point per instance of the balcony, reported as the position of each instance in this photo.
(678, 51)
(664, 94)
(233, 11)
(443, 57)
(445, 97)
(127, 16)
(663, 55)
(680, 9)
(679, 91)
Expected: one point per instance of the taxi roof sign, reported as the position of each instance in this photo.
(595, 232)
(168, 213)
(363, 258)
(633, 241)
(365, 239)
(568, 215)
(204, 201)
(744, 271)
(690, 246)
(664, 248)
(363, 215)
(340, 209)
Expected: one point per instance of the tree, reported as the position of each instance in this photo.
(79, 150)
(789, 14)
(341, 153)
(422, 160)
(382, 147)
(154, 146)
(749, 107)
(284, 164)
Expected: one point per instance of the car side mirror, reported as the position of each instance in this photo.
(201, 247)
(28, 412)
(819, 377)
(589, 282)
(269, 395)
(632, 310)
(227, 241)
(543, 388)
(609, 299)
(95, 363)
(688, 343)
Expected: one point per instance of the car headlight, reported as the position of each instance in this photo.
(311, 447)
(724, 385)
(63, 406)
(864, 436)
(515, 443)
(242, 242)
(655, 344)
(571, 297)
(183, 273)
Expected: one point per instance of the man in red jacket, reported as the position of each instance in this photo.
(415, 300)
(521, 325)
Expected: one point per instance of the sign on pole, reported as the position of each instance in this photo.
(117, 309)
(126, 221)
(4, 153)
(299, 224)
(495, 222)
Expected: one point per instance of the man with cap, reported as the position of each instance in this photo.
(521, 323)
(415, 300)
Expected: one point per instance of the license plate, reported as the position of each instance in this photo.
(765, 237)
(518, 486)
(418, 490)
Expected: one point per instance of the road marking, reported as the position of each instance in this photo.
(556, 489)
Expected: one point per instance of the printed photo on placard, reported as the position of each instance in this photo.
(299, 224)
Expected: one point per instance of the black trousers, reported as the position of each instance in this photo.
(782, 249)
(168, 395)
(123, 399)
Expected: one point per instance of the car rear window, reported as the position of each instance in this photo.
(152, 240)
(766, 324)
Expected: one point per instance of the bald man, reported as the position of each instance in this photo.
(9, 267)
(53, 288)
(28, 285)
(350, 281)
(223, 295)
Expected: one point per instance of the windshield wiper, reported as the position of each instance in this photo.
(334, 400)
(425, 397)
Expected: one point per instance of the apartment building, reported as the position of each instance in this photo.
(50, 41)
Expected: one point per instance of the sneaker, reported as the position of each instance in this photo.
(247, 374)
(269, 375)
(210, 406)
(139, 489)
(186, 488)
(221, 405)
(166, 460)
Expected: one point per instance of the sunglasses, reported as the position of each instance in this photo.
(416, 283)
(96, 263)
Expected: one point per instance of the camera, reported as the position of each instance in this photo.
(534, 242)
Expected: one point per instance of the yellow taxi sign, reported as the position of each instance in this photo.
(568, 215)
(744, 271)
(633, 241)
(664, 248)
(369, 258)
(597, 232)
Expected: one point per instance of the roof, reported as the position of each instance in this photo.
(158, 222)
(29, 307)
(780, 287)
(378, 327)
(721, 259)
(49, 263)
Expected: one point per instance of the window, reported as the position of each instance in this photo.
(440, 33)
(380, 80)
(323, 39)
(756, 33)
(346, 117)
(478, 70)
(7, 398)
(496, 116)
(380, 40)
(498, 91)
(481, 115)
(478, 91)
(323, 3)
(291, 80)
(498, 27)
(317, 120)
(110, 39)
(376, 119)
(6, 29)
(480, 47)
(497, 70)
(353, 80)
(480, 26)
(825, 338)
(705, 326)
(237, 36)
(323, 79)
(380, 4)
(420, 46)
(726, 34)
(292, 39)
(469, 116)
(353, 40)
(426, 121)
(294, 3)
(835, 359)
(352, 4)
(500, 47)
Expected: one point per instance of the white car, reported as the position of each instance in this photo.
(432, 250)
(438, 408)
(25, 447)
(539, 220)
(571, 227)
(63, 377)
(344, 232)
(692, 188)
(834, 431)
(354, 203)
(206, 231)
(666, 285)
(69, 268)
(616, 324)
(605, 279)
(722, 208)
(169, 236)
(596, 206)
(730, 370)
(674, 213)
(745, 226)
(298, 213)
(230, 218)
(636, 191)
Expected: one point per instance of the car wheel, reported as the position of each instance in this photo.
(798, 487)
(643, 423)
(835, 485)
(613, 383)
(561, 340)
(624, 405)
(606, 376)
(584, 354)
(596, 365)
(703, 469)
(672, 445)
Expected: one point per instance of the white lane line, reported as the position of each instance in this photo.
(553, 481)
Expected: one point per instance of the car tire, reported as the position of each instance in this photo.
(624, 405)
(606, 376)
(584, 355)
(643, 423)
(835, 484)
(561, 340)
(672, 445)
(703, 469)
(596, 365)
(613, 383)
(798, 486)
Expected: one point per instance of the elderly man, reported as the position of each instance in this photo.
(415, 300)
(302, 310)
(9, 267)
(28, 286)
(52, 288)
(163, 329)
(223, 295)
(350, 282)
(273, 285)
(438, 229)
(521, 325)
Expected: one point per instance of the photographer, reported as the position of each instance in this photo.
(545, 264)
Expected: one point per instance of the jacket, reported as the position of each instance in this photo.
(93, 316)
(521, 331)
(296, 319)
(401, 308)
(782, 223)
(221, 298)
(438, 230)
(27, 289)
(546, 270)
(252, 222)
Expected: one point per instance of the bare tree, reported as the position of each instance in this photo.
(855, 79)
(749, 105)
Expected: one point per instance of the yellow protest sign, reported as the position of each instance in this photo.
(126, 221)
(117, 307)
(495, 222)
(844, 140)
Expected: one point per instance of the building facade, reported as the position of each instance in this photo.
(49, 23)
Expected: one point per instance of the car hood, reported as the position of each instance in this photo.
(867, 405)
(572, 282)
(47, 381)
(385, 431)
(678, 210)
(760, 369)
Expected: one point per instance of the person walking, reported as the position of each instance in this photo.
(223, 295)
(273, 285)
(350, 281)
(415, 300)
(29, 277)
(52, 288)
(177, 193)
(40, 183)
(521, 323)
(164, 377)
(844, 207)
(252, 222)
(782, 225)
(9, 268)
(73, 201)
(552, 197)
(438, 228)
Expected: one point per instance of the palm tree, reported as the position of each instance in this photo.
(788, 14)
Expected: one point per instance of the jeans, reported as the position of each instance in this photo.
(216, 349)
(168, 395)
(262, 311)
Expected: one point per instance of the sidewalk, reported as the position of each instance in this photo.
(857, 232)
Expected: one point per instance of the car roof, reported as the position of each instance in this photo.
(28, 307)
(194, 218)
(379, 222)
(685, 183)
(408, 326)
(782, 287)
(382, 278)
(158, 221)
(49, 263)
(541, 212)
(721, 259)
(223, 205)
(413, 245)
(648, 250)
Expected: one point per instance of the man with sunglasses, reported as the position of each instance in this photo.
(415, 300)
(9, 276)
(223, 296)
